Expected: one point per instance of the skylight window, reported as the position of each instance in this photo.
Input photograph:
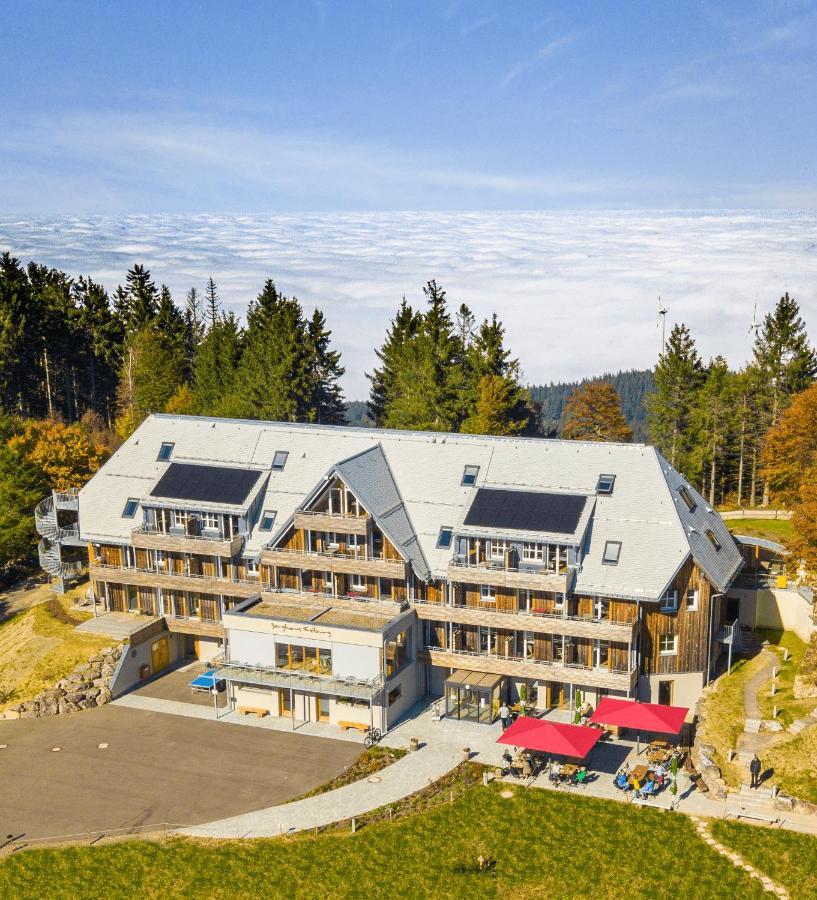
(267, 520)
(469, 475)
(165, 451)
(130, 508)
(712, 539)
(280, 460)
(686, 496)
(445, 537)
(612, 552)
(605, 484)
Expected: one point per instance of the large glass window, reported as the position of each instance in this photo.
(303, 658)
(532, 552)
(397, 653)
(210, 521)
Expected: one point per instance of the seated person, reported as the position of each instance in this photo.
(556, 771)
(621, 781)
(647, 789)
(581, 775)
(527, 768)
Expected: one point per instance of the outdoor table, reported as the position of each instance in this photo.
(569, 770)
(638, 773)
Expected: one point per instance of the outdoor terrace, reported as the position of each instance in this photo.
(309, 520)
(332, 561)
(150, 538)
(497, 574)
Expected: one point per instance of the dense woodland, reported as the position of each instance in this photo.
(81, 367)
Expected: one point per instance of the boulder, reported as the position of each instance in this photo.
(804, 688)
(104, 696)
(92, 692)
(84, 667)
(90, 703)
(11, 714)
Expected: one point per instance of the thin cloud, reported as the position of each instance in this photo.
(544, 52)
(477, 24)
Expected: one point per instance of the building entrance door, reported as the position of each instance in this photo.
(322, 708)
(665, 692)
(159, 655)
(556, 695)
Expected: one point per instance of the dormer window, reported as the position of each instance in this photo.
(165, 451)
(686, 495)
(712, 539)
(445, 537)
(612, 552)
(669, 602)
(605, 484)
(130, 508)
(469, 475)
(279, 460)
(267, 520)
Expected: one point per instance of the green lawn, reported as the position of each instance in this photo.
(785, 856)
(789, 708)
(771, 529)
(538, 844)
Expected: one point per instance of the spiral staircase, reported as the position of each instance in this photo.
(56, 521)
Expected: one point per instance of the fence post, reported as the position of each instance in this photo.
(354, 825)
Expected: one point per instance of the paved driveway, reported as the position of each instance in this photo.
(157, 768)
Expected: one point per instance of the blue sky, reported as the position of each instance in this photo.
(280, 107)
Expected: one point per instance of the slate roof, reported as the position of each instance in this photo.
(412, 482)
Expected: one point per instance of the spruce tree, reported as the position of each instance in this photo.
(785, 360)
(327, 403)
(216, 363)
(273, 380)
(138, 302)
(713, 423)
(194, 326)
(212, 302)
(678, 376)
(383, 379)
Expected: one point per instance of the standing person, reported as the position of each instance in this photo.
(754, 769)
(505, 715)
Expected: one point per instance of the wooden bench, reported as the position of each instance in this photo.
(257, 711)
(360, 726)
(740, 810)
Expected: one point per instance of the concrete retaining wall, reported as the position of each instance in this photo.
(775, 609)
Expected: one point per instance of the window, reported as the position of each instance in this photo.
(397, 653)
(304, 658)
(612, 552)
(130, 508)
(559, 601)
(605, 484)
(358, 584)
(497, 549)
(686, 496)
(712, 539)
(279, 460)
(692, 599)
(487, 594)
(669, 602)
(394, 694)
(444, 538)
(267, 518)
(557, 648)
(179, 518)
(469, 475)
(668, 644)
(252, 568)
(165, 451)
(209, 521)
(532, 552)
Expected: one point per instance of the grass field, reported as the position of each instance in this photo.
(787, 857)
(534, 844)
(726, 714)
(40, 646)
(771, 529)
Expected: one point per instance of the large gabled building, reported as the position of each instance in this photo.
(339, 574)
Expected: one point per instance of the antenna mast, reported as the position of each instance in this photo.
(662, 323)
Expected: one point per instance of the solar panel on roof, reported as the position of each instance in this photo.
(526, 511)
(207, 484)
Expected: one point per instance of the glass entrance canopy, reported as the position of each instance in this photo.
(473, 696)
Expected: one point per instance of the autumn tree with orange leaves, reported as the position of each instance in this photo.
(593, 413)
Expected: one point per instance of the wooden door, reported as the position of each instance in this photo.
(160, 655)
(322, 708)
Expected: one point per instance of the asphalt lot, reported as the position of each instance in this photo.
(157, 768)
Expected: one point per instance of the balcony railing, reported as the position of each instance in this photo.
(334, 561)
(527, 575)
(270, 676)
(314, 520)
(551, 663)
(349, 600)
(150, 537)
(156, 577)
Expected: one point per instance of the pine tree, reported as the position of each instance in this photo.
(216, 364)
(501, 408)
(273, 380)
(402, 329)
(327, 404)
(212, 302)
(593, 413)
(678, 376)
(785, 361)
(138, 302)
(712, 422)
(194, 326)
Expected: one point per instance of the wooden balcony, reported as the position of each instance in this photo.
(186, 543)
(595, 629)
(500, 576)
(196, 627)
(201, 584)
(528, 668)
(334, 562)
(324, 521)
(356, 604)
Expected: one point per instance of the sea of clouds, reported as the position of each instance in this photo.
(577, 291)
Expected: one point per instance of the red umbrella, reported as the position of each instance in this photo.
(640, 716)
(550, 737)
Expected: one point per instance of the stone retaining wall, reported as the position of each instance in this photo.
(87, 686)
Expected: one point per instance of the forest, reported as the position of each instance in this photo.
(81, 367)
